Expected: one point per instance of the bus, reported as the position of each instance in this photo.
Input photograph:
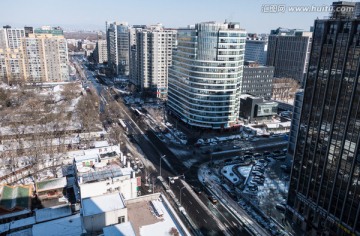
(122, 123)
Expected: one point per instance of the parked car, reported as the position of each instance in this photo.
(280, 207)
(213, 199)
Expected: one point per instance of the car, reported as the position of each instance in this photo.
(257, 155)
(197, 190)
(212, 199)
(280, 207)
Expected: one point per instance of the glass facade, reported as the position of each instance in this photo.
(324, 193)
(205, 76)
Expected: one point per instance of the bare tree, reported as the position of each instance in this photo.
(284, 89)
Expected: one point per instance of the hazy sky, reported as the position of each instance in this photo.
(92, 14)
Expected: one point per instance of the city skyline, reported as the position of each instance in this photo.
(253, 17)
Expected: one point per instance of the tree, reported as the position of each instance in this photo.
(284, 89)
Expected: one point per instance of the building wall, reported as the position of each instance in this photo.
(256, 50)
(153, 51)
(124, 184)
(38, 58)
(101, 51)
(324, 192)
(206, 74)
(118, 48)
(96, 223)
(258, 81)
(289, 54)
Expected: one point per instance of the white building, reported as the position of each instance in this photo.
(118, 47)
(109, 180)
(101, 211)
(11, 38)
(101, 51)
(206, 74)
(153, 47)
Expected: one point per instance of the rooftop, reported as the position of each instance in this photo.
(65, 226)
(124, 229)
(52, 213)
(100, 204)
(17, 196)
(51, 184)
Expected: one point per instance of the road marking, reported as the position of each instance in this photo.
(197, 211)
(205, 221)
(190, 202)
(234, 223)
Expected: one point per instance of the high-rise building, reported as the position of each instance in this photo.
(40, 57)
(153, 50)
(256, 49)
(324, 192)
(100, 52)
(118, 47)
(288, 51)
(257, 79)
(11, 38)
(206, 73)
(133, 69)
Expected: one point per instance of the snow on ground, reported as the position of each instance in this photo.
(160, 228)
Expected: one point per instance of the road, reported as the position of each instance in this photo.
(204, 220)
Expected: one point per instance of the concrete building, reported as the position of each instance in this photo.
(101, 211)
(40, 57)
(12, 65)
(12, 36)
(100, 52)
(257, 79)
(46, 57)
(324, 191)
(133, 57)
(118, 47)
(288, 52)
(153, 51)
(256, 48)
(206, 74)
(256, 109)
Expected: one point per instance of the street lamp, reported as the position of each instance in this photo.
(180, 193)
(161, 157)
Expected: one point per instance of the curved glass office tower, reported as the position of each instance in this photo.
(205, 77)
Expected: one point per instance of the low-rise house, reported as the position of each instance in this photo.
(51, 188)
(101, 211)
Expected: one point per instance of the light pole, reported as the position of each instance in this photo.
(161, 157)
(180, 193)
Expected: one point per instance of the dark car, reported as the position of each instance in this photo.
(213, 199)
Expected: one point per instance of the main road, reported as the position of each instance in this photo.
(207, 219)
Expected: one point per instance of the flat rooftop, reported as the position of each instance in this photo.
(124, 229)
(100, 204)
(65, 226)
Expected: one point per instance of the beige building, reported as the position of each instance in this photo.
(40, 57)
(100, 51)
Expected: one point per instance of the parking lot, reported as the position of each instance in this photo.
(259, 182)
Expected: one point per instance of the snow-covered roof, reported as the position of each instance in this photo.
(24, 232)
(100, 204)
(4, 227)
(65, 226)
(52, 213)
(23, 222)
(99, 144)
(51, 184)
(124, 229)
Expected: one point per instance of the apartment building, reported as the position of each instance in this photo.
(153, 49)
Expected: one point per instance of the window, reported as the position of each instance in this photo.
(121, 219)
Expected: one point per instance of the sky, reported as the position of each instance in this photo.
(253, 15)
